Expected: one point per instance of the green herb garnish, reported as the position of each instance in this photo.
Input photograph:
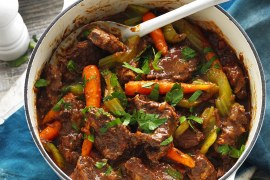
(41, 83)
(121, 96)
(148, 85)
(195, 96)
(72, 66)
(174, 95)
(231, 151)
(137, 70)
(167, 141)
(205, 67)
(101, 164)
(114, 80)
(174, 173)
(196, 119)
(108, 171)
(110, 124)
(188, 53)
(75, 126)
(154, 95)
(182, 119)
(89, 137)
(156, 60)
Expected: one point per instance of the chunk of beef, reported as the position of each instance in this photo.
(106, 41)
(203, 169)
(230, 65)
(233, 126)
(69, 146)
(69, 138)
(174, 66)
(124, 74)
(152, 141)
(135, 169)
(112, 143)
(227, 163)
(189, 139)
(86, 169)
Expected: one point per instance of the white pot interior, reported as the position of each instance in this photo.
(91, 10)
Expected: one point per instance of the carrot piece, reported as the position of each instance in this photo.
(157, 35)
(134, 87)
(180, 157)
(51, 131)
(92, 89)
(86, 147)
(53, 114)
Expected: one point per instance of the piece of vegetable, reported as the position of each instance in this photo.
(174, 95)
(53, 113)
(171, 35)
(157, 35)
(72, 66)
(101, 164)
(195, 96)
(41, 83)
(92, 89)
(180, 157)
(136, 9)
(51, 131)
(86, 147)
(134, 87)
(154, 95)
(209, 120)
(209, 141)
(19, 61)
(76, 89)
(110, 124)
(136, 70)
(184, 103)
(181, 128)
(174, 173)
(231, 151)
(133, 21)
(114, 95)
(120, 57)
(167, 141)
(56, 155)
(156, 60)
(225, 98)
(198, 40)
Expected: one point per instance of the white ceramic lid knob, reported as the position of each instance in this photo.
(14, 37)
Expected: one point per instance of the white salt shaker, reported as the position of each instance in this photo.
(14, 37)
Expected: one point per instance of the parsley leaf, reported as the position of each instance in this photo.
(154, 95)
(148, 122)
(174, 95)
(110, 124)
(108, 171)
(155, 61)
(188, 53)
(119, 95)
(89, 137)
(167, 141)
(75, 126)
(71, 66)
(148, 84)
(207, 65)
(196, 119)
(114, 80)
(137, 70)
(58, 105)
(231, 151)
(101, 164)
(182, 119)
(41, 83)
(174, 173)
(195, 96)
(145, 68)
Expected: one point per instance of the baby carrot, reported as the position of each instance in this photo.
(51, 131)
(157, 35)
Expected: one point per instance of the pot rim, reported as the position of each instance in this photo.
(60, 173)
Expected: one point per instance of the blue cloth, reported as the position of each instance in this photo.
(20, 158)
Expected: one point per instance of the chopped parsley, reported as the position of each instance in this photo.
(114, 80)
(148, 84)
(154, 95)
(167, 141)
(119, 95)
(72, 66)
(41, 83)
(109, 171)
(174, 173)
(110, 124)
(156, 60)
(188, 53)
(89, 137)
(75, 126)
(174, 95)
(182, 119)
(205, 67)
(195, 96)
(145, 68)
(189, 119)
(231, 151)
(137, 70)
(101, 164)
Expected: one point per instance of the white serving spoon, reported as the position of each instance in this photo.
(146, 27)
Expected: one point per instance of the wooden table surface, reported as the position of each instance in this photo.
(37, 15)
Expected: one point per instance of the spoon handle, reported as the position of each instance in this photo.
(179, 13)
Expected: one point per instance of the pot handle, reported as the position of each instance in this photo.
(68, 3)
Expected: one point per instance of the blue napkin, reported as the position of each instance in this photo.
(20, 158)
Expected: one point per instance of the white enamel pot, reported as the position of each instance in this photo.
(85, 11)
